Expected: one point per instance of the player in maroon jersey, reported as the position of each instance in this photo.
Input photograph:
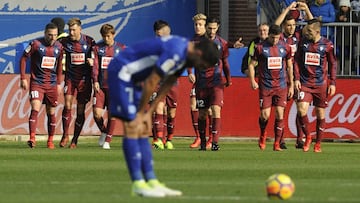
(200, 33)
(165, 112)
(78, 48)
(315, 75)
(209, 88)
(46, 76)
(103, 54)
(292, 37)
(275, 70)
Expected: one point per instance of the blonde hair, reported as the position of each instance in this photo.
(74, 21)
(199, 16)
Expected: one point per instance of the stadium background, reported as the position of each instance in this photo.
(133, 20)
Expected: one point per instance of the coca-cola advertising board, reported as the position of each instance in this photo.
(239, 114)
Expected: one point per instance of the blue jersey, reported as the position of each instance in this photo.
(132, 66)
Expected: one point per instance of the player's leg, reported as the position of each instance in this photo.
(158, 125)
(203, 113)
(110, 128)
(299, 132)
(194, 118)
(216, 100)
(278, 127)
(320, 103)
(210, 137)
(98, 110)
(303, 103)
(36, 97)
(51, 101)
(171, 105)
(69, 92)
(263, 121)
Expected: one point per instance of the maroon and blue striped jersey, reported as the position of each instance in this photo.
(77, 53)
(272, 64)
(313, 63)
(46, 67)
(213, 76)
(292, 41)
(103, 54)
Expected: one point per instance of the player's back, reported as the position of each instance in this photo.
(135, 63)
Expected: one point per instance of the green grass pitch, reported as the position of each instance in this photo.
(237, 173)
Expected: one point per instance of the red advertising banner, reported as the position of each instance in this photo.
(239, 115)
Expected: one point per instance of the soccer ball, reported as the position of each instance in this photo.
(280, 186)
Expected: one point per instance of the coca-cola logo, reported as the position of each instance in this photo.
(340, 115)
(16, 109)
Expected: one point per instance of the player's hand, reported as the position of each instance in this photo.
(302, 6)
(153, 96)
(90, 61)
(238, 44)
(292, 6)
(24, 84)
(297, 85)
(291, 91)
(96, 86)
(331, 90)
(228, 84)
(147, 123)
(191, 78)
(254, 85)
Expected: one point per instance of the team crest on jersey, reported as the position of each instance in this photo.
(56, 51)
(282, 50)
(117, 51)
(321, 48)
(85, 46)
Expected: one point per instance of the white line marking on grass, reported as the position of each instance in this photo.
(220, 198)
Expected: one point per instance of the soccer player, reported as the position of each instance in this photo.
(103, 54)
(275, 70)
(46, 76)
(78, 48)
(315, 79)
(293, 37)
(200, 34)
(209, 88)
(133, 76)
(165, 111)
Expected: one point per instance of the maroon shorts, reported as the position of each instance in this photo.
(82, 89)
(272, 97)
(316, 95)
(47, 94)
(209, 96)
(101, 98)
(171, 97)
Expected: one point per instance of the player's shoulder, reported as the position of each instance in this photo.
(120, 45)
(88, 38)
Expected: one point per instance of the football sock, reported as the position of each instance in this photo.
(320, 127)
(146, 158)
(262, 124)
(304, 121)
(66, 119)
(194, 119)
(79, 123)
(170, 128)
(51, 126)
(202, 130)
(216, 127)
(210, 119)
(132, 155)
(299, 129)
(33, 121)
(278, 129)
(158, 123)
(110, 129)
(100, 124)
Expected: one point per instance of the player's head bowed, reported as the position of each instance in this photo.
(206, 54)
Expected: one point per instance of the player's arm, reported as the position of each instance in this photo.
(304, 7)
(332, 70)
(226, 66)
(253, 83)
(283, 14)
(27, 53)
(95, 70)
(59, 71)
(296, 70)
(289, 63)
(191, 75)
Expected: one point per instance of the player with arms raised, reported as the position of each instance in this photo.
(46, 76)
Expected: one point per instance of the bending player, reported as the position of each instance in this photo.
(45, 80)
(133, 76)
(103, 54)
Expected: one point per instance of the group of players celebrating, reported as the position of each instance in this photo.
(290, 64)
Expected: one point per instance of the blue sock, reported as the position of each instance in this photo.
(132, 155)
(146, 159)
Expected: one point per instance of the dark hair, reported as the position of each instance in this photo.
(213, 20)
(312, 21)
(160, 24)
(107, 28)
(274, 30)
(60, 23)
(210, 51)
(289, 17)
(51, 26)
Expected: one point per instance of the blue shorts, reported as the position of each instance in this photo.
(124, 97)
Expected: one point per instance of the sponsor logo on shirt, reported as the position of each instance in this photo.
(312, 59)
(105, 62)
(77, 58)
(48, 62)
(274, 63)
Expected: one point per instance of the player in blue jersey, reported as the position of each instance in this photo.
(133, 77)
